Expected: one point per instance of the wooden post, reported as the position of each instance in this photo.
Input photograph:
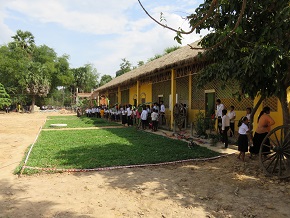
(138, 92)
(173, 95)
(119, 96)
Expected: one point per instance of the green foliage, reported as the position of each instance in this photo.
(140, 63)
(85, 78)
(125, 67)
(24, 40)
(155, 57)
(200, 124)
(4, 97)
(171, 49)
(249, 44)
(105, 79)
(166, 51)
(257, 55)
(36, 79)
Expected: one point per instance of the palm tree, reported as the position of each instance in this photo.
(24, 40)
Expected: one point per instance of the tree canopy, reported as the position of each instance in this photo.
(30, 72)
(105, 79)
(4, 97)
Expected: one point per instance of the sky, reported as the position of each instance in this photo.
(98, 32)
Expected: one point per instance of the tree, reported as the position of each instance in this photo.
(24, 40)
(85, 78)
(154, 58)
(63, 75)
(171, 49)
(125, 67)
(248, 43)
(256, 54)
(166, 51)
(37, 82)
(105, 79)
(140, 63)
(29, 72)
(4, 97)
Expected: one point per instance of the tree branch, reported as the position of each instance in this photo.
(232, 31)
(210, 11)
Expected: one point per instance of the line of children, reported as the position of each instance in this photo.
(128, 115)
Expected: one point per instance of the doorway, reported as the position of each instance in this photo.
(209, 103)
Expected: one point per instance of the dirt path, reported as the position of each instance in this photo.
(220, 188)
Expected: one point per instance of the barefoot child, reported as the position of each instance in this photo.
(244, 133)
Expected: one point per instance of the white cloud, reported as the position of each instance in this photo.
(6, 33)
(135, 36)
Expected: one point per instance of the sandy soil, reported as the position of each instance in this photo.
(221, 188)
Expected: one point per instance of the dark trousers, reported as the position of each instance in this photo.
(155, 125)
(144, 122)
(225, 136)
(232, 127)
(219, 120)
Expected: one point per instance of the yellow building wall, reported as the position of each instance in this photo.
(132, 93)
(147, 89)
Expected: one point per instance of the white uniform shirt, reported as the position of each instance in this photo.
(144, 115)
(219, 109)
(232, 115)
(225, 122)
(154, 116)
(162, 108)
(243, 129)
(129, 112)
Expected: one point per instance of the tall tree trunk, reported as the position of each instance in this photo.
(255, 110)
(33, 103)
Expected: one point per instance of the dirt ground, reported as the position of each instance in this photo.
(221, 188)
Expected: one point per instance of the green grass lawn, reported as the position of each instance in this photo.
(91, 148)
(77, 122)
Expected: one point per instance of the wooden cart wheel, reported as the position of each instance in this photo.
(275, 152)
(179, 113)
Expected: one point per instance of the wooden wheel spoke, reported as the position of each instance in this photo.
(280, 165)
(285, 163)
(272, 142)
(286, 144)
(271, 161)
(275, 164)
(275, 158)
(268, 158)
(265, 145)
(277, 140)
(287, 153)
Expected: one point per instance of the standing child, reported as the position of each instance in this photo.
(144, 116)
(232, 116)
(225, 127)
(243, 138)
(154, 118)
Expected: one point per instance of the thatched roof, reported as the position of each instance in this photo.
(181, 56)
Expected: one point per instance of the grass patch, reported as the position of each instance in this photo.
(77, 122)
(91, 148)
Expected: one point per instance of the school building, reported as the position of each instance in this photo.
(173, 79)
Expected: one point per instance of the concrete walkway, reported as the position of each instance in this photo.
(219, 147)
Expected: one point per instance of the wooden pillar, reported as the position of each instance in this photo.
(173, 95)
(138, 92)
(119, 95)
(189, 97)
